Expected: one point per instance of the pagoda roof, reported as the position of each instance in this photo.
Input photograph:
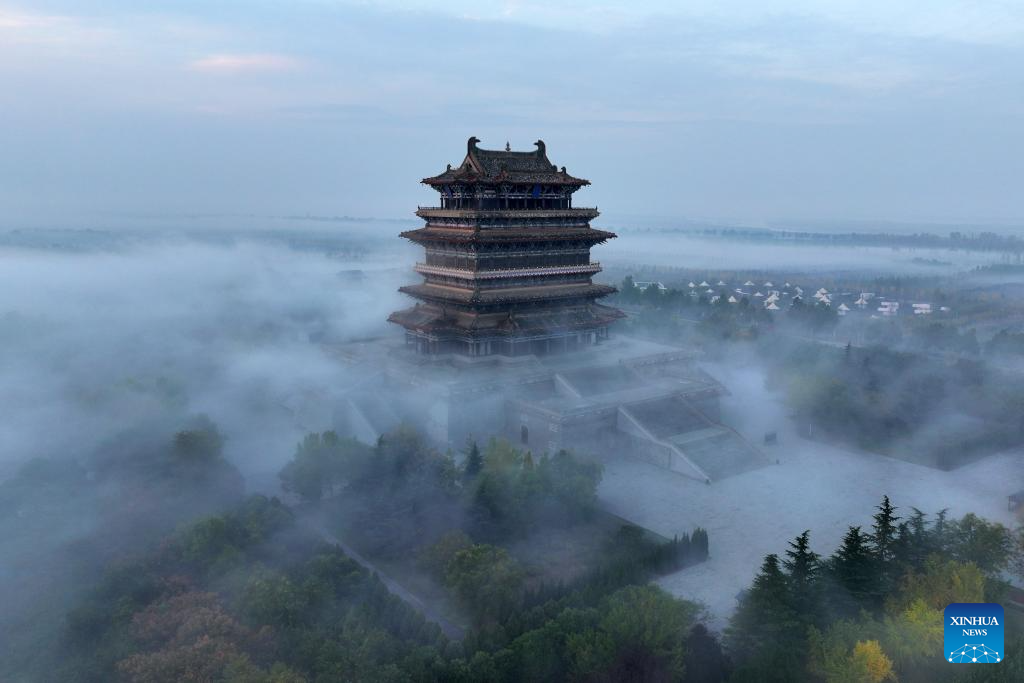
(462, 235)
(505, 166)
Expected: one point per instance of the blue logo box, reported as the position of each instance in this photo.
(973, 633)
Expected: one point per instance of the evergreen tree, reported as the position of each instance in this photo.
(920, 541)
(940, 532)
(699, 544)
(474, 461)
(901, 548)
(883, 539)
(802, 569)
(852, 565)
(764, 635)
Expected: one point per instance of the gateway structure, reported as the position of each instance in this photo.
(507, 268)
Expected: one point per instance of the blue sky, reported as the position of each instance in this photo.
(722, 110)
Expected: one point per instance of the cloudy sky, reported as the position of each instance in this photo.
(810, 110)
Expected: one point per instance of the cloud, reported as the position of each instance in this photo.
(998, 22)
(837, 64)
(47, 32)
(10, 19)
(761, 106)
(245, 63)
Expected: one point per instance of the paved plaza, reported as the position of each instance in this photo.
(813, 486)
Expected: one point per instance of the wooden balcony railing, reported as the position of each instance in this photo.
(466, 274)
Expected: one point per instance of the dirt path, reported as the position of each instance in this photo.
(452, 631)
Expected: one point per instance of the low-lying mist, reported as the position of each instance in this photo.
(127, 356)
(95, 342)
(677, 249)
(149, 379)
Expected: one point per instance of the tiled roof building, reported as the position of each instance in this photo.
(507, 268)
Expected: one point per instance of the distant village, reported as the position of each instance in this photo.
(776, 297)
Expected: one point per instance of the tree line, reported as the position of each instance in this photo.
(871, 611)
(254, 594)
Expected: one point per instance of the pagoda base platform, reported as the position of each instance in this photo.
(433, 330)
(622, 397)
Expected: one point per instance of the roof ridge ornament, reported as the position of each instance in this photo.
(489, 166)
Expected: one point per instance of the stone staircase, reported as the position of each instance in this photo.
(685, 440)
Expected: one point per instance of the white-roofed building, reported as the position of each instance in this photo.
(889, 308)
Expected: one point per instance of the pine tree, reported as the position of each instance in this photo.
(474, 461)
(852, 564)
(884, 545)
(940, 532)
(902, 548)
(769, 587)
(699, 544)
(802, 569)
(803, 563)
(885, 530)
(763, 610)
(684, 552)
(920, 543)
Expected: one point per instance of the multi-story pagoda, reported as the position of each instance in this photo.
(507, 267)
